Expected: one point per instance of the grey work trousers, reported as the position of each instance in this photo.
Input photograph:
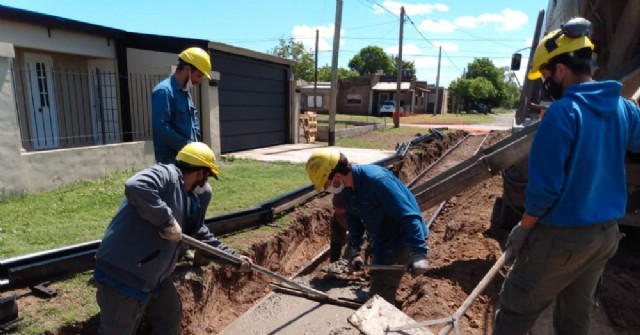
(121, 314)
(556, 264)
(386, 283)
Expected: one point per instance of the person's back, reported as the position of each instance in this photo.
(587, 133)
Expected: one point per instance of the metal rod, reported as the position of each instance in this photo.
(454, 319)
(327, 300)
(375, 267)
(217, 252)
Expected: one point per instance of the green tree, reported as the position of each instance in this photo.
(290, 49)
(324, 73)
(371, 59)
(512, 89)
(484, 68)
(408, 68)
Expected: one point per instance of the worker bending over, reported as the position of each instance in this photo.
(380, 204)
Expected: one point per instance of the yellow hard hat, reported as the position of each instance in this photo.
(199, 154)
(572, 36)
(198, 58)
(320, 164)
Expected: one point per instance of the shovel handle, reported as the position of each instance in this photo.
(217, 252)
(379, 267)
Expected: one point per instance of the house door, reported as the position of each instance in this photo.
(45, 131)
(105, 114)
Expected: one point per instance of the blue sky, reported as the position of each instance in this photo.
(466, 29)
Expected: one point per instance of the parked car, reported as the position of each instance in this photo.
(387, 108)
(479, 107)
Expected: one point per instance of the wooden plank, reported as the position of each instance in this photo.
(377, 315)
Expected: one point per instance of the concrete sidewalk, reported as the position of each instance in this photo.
(300, 152)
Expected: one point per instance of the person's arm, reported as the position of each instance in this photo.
(356, 233)
(143, 192)
(548, 157)
(161, 113)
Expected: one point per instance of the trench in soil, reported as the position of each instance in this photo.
(462, 250)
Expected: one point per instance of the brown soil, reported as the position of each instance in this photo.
(461, 252)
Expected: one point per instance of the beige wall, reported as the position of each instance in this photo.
(11, 178)
(25, 172)
(51, 169)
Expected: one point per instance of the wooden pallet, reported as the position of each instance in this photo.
(308, 122)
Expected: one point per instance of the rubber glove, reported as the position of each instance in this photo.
(172, 231)
(354, 261)
(246, 264)
(517, 238)
(418, 264)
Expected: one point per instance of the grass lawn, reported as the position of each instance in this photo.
(418, 118)
(81, 212)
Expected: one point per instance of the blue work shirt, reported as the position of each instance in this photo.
(388, 211)
(174, 118)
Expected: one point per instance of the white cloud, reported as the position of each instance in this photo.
(410, 9)
(442, 26)
(506, 20)
(307, 36)
(407, 49)
(528, 42)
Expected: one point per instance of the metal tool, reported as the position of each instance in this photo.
(217, 252)
(453, 321)
(379, 267)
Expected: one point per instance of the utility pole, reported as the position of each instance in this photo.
(315, 76)
(334, 74)
(435, 103)
(396, 115)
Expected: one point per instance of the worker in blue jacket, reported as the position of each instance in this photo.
(174, 117)
(380, 204)
(140, 247)
(577, 189)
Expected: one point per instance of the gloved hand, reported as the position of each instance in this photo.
(517, 238)
(172, 231)
(356, 264)
(246, 264)
(354, 261)
(418, 264)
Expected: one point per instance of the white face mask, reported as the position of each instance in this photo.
(189, 84)
(334, 190)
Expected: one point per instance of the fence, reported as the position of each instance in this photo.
(73, 108)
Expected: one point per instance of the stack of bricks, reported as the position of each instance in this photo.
(309, 124)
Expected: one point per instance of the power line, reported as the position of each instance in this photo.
(445, 52)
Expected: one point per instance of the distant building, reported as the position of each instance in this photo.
(365, 94)
(322, 93)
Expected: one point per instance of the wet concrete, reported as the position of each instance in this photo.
(300, 152)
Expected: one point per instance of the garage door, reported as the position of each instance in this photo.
(254, 99)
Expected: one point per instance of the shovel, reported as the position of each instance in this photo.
(217, 252)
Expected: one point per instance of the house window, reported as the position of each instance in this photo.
(318, 101)
(354, 99)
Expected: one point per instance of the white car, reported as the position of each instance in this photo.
(387, 108)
